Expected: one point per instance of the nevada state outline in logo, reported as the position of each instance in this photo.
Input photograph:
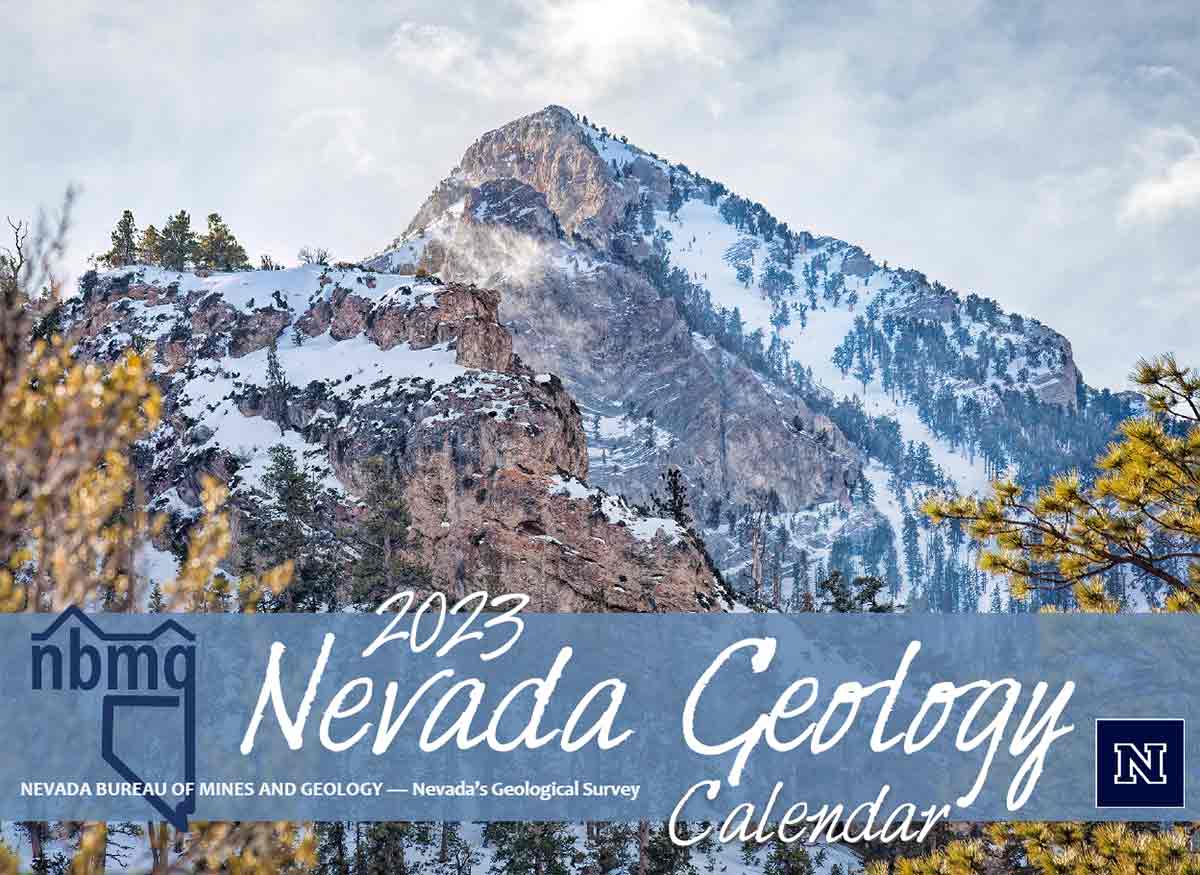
(144, 680)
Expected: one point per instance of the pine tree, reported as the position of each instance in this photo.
(149, 249)
(387, 847)
(665, 857)
(177, 242)
(608, 847)
(1139, 514)
(218, 249)
(157, 604)
(995, 606)
(646, 214)
(381, 536)
(864, 370)
(674, 202)
(1055, 848)
(124, 251)
(674, 504)
(912, 551)
(782, 858)
(288, 525)
(532, 848)
(219, 596)
(332, 855)
(1142, 513)
(800, 599)
(860, 595)
(279, 390)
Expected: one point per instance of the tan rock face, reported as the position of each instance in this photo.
(454, 314)
(507, 526)
(1063, 388)
(547, 152)
(615, 341)
(491, 460)
(255, 331)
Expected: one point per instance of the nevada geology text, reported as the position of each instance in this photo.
(817, 726)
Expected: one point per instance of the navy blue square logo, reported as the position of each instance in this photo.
(1139, 763)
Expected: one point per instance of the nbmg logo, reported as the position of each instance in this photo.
(1140, 763)
(131, 670)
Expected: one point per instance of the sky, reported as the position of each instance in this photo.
(1045, 155)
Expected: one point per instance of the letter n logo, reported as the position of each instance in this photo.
(1140, 763)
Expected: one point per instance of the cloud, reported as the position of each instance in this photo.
(1044, 155)
(439, 50)
(579, 49)
(345, 133)
(1173, 183)
(1164, 73)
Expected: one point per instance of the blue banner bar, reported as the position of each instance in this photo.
(425, 715)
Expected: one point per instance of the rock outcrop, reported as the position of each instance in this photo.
(697, 330)
(580, 308)
(492, 456)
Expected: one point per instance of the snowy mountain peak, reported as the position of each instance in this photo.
(792, 377)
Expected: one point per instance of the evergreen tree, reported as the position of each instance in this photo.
(608, 847)
(1055, 848)
(674, 504)
(660, 855)
(532, 848)
(218, 249)
(912, 553)
(220, 596)
(674, 202)
(149, 249)
(860, 595)
(380, 537)
(1142, 513)
(801, 600)
(332, 852)
(864, 370)
(995, 606)
(279, 390)
(782, 858)
(289, 524)
(124, 251)
(177, 242)
(386, 847)
(157, 604)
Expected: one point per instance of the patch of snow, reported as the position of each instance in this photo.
(617, 511)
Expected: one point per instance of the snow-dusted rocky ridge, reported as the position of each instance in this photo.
(415, 373)
(810, 394)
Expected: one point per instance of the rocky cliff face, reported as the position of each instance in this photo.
(809, 393)
(531, 209)
(492, 456)
(548, 152)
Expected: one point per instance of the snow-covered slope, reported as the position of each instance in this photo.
(934, 389)
(358, 377)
